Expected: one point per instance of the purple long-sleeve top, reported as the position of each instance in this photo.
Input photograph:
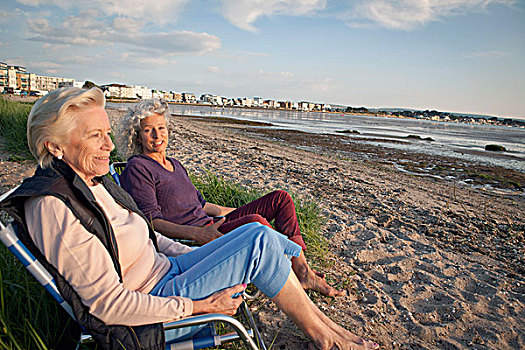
(162, 194)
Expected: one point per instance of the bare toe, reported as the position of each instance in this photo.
(312, 281)
(319, 274)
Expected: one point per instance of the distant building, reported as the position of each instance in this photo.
(71, 83)
(271, 104)
(4, 76)
(15, 78)
(45, 83)
(285, 104)
(189, 97)
(119, 91)
(157, 94)
(304, 106)
(142, 92)
(213, 100)
(247, 102)
(177, 96)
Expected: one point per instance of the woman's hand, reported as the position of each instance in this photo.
(220, 302)
(216, 210)
(208, 233)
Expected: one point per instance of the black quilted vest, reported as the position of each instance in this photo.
(61, 181)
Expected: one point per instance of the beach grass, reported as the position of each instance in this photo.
(29, 317)
(13, 126)
(222, 192)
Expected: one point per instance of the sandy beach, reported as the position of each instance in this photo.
(427, 263)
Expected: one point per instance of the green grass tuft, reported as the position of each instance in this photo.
(29, 317)
(13, 125)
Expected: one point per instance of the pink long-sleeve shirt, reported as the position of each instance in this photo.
(84, 262)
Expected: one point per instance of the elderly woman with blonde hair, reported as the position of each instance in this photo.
(163, 191)
(121, 278)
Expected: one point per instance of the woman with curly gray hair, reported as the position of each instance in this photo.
(132, 119)
(163, 191)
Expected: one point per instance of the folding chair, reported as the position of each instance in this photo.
(8, 236)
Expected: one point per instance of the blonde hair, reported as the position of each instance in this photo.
(131, 122)
(52, 118)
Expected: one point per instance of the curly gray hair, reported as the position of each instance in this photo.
(131, 123)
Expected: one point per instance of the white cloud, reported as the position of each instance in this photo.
(213, 69)
(487, 54)
(117, 75)
(89, 29)
(277, 76)
(84, 60)
(160, 11)
(145, 61)
(244, 13)
(254, 54)
(124, 24)
(83, 30)
(64, 4)
(29, 2)
(410, 14)
(44, 64)
(173, 42)
(317, 85)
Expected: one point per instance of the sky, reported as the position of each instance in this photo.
(465, 56)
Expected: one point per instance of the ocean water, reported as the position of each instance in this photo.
(463, 141)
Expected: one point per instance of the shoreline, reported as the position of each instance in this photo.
(471, 173)
(516, 122)
(427, 263)
(465, 119)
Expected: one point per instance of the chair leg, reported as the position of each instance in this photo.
(253, 325)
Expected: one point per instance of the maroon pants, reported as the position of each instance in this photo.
(278, 206)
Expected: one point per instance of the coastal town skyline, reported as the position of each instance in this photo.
(456, 56)
(19, 81)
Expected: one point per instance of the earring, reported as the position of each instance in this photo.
(60, 157)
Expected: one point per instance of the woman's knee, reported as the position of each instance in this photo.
(260, 232)
(282, 196)
(270, 238)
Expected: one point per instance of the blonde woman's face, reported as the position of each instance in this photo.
(154, 134)
(90, 144)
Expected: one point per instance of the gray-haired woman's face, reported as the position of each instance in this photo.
(154, 134)
(90, 144)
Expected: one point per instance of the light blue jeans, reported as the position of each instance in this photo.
(251, 253)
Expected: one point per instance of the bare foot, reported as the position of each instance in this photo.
(360, 345)
(319, 274)
(311, 280)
